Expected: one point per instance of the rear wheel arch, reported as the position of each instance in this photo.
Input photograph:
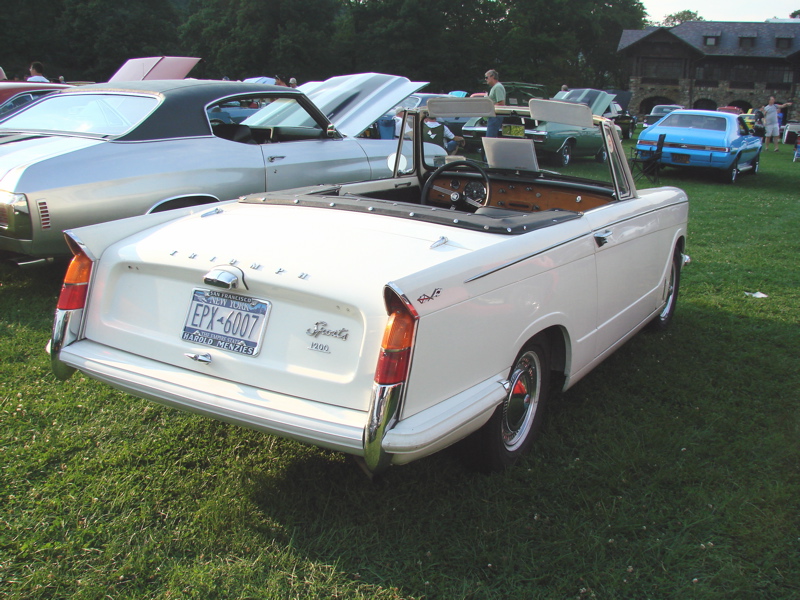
(662, 320)
(556, 339)
(181, 202)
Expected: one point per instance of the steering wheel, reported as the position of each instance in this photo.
(457, 198)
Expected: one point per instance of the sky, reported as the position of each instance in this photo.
(723, 10)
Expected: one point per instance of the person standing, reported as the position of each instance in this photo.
(771, 123)
(36, 70)
(497, 94)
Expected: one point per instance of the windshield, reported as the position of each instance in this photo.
(663, 110)
(520, 143)
(93, 114)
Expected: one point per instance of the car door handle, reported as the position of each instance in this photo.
(602, 237)
(274, 158)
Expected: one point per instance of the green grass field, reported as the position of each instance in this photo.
(671, 472)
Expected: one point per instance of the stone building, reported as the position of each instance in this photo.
(708, 64)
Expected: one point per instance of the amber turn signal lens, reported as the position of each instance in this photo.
(76, 283)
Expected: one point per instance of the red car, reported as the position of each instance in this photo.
(16, 94)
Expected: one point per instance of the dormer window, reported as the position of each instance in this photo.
(747, 41)
(783, 43)
(710, 40)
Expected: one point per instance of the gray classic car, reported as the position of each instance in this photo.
(107, 151)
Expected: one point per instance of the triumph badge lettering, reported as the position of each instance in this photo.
(226, 321)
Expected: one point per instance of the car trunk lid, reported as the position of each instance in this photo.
(21, 149)
(321, 338)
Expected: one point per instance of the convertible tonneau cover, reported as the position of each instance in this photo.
(490, 220)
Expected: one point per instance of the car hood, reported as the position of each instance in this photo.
(155, 67)
(354, 102)
(596, 100)
(18, 151)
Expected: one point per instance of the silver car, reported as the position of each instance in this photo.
(107, 151)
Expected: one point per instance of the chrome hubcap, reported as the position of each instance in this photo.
(522, 401)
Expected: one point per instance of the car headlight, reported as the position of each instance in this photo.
(15, 216)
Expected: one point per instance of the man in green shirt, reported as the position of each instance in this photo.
(497, 94)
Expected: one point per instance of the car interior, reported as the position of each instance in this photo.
(502, 182)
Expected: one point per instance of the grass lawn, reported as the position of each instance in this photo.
(671, 472)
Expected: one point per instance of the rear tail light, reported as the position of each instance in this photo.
(76, 282)
(398, 342)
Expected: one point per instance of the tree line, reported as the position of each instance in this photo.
(449, 43)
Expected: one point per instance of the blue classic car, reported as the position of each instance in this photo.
(702, 138)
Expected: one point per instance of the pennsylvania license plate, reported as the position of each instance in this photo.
(681, 159)
(514, 131)
(226, 321)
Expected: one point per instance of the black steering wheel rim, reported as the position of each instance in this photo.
(449, 166)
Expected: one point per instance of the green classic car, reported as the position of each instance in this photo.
(555, 141)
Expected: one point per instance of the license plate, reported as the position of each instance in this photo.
(513, 131)
(226, 321)
(682, 159)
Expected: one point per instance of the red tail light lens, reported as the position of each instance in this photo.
(76, 282)
(398, 341)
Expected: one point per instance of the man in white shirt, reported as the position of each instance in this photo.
(36, 70)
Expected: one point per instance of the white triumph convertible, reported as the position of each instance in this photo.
(389, 318)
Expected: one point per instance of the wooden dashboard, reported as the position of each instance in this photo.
(524, 196)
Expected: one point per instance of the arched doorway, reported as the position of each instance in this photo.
(646, 105)
(705, 104)
(743, 104)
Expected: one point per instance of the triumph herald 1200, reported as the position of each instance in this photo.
(387, 318)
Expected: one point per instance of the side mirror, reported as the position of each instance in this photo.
(331, 131)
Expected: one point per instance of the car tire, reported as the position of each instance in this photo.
(514, 425)
(663, 319)
(565, 154)
(733, 172)
(601, 156)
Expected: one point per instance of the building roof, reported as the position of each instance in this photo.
(728, 34)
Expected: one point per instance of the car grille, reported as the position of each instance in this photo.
(44, 214)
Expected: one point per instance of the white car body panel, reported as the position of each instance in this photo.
(354, 102)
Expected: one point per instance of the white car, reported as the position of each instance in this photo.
(386, 319)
